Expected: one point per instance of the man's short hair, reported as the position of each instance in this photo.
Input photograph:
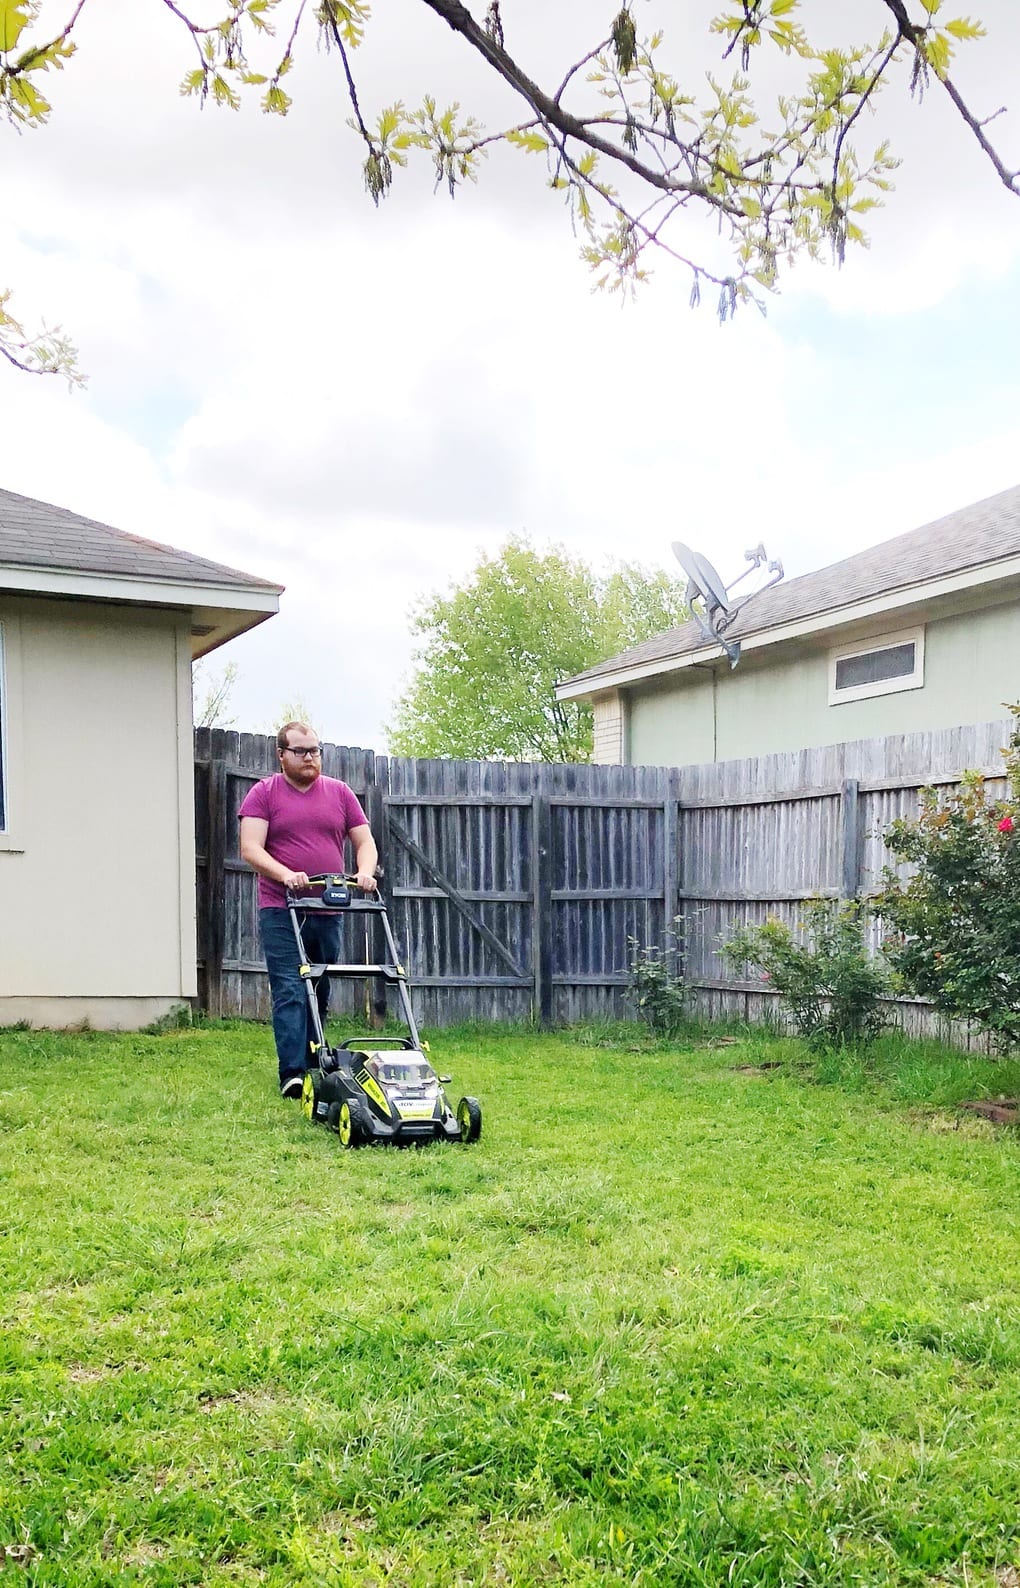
(281, 735)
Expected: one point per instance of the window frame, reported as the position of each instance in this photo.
(880, 686)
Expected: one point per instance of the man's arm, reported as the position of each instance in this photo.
(254, 831)
(366, 856)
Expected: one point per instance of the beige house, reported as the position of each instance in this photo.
(98, 630)
(919, 633)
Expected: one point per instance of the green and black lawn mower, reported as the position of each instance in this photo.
(373, 1089)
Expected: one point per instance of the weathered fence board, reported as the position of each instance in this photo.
(517, 890)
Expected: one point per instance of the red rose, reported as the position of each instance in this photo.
(1006, 825)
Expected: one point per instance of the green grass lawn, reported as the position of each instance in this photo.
(669, 1322)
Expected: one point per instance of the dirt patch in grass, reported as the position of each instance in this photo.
(241, 1400)
(341, 1524)
(145, 1553)
(16, 1554)
(1000, 1110)
(942, 1123)
(79, 1373)
(402, 1210)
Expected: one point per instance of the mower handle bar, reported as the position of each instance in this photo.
(370, 899)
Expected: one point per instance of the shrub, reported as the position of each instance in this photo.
(180, 1018)
(828, 983)
(952, 930)
(657, 989)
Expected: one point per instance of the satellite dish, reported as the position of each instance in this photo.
(705, 585)
(702, 579)
(712, 584)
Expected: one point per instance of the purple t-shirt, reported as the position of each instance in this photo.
(307, 827)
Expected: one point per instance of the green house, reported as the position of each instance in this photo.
(919, 633)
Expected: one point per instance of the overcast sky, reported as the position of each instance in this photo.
(357, 403)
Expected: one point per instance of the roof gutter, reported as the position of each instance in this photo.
(797, 628)
(139, 591)
(218, 612)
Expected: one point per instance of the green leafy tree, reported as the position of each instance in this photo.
(494, 647)
(953, 925)
(638, 150)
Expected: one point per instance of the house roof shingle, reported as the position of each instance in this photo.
(984, 533)
(37, 535)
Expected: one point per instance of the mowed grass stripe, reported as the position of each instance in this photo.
(669, 1322)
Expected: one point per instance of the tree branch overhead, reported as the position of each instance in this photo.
(637, 152)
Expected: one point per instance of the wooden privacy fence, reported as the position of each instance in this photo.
(513, 887)
(759, 837)
(516, 888)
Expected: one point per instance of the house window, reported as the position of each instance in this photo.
(880, 666)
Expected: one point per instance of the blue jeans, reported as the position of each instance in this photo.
(292, 1018)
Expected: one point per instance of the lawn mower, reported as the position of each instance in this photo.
(373, 1089)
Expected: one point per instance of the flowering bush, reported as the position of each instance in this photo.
(953, 930)
(829, 984)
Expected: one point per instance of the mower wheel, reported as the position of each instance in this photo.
(469, 1118)
(352, 1125)
(309, 1093)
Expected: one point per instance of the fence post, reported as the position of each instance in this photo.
(671, 860)
(375, 810)
(215, 885)
(375, 807)
(850, 800)
(542, 923)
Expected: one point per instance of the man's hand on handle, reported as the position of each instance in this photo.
(298, 880)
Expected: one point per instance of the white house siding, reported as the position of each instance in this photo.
(97, 864)
(780, 702)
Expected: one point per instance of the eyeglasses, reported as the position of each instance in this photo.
(314, 750)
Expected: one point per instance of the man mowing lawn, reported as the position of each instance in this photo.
(294, 825)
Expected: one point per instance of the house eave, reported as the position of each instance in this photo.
(898, 600)
(218, 612)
